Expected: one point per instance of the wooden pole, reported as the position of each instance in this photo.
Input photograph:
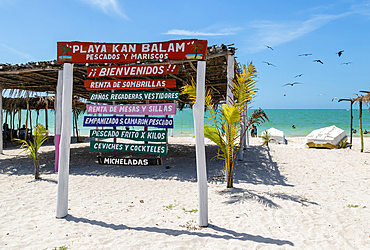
(1, 119)
(28, 108)
(246, 143)
(230, 78)
(58, 117)
(11, 127)
(361, 134)
(114, 139)
(19, 119)
(74, 118)
(351, 125)
(31, 121)
(37, 116)
(46, 115)
(199, 145)
(65, 142)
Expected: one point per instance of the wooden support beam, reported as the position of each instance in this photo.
(44, 76)
(65, 141)
(1, 120)
(192, 66)
(198, 108)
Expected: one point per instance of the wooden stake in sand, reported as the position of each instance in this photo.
(65, 141)
(199, 145)
(58, 116)
(1, 119)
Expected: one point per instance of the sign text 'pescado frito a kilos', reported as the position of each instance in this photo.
(135, 84)
(152, 135)
(129, 161)
(100, 146)
(133, 109)
(135, 96)
(133, 70)
(116, 121)
(91, 52)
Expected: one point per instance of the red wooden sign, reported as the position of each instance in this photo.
(132, 71)
(130, 84)
(90, 52)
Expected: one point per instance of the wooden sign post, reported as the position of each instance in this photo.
(1, 119)
(58, 117)
(198, 108)
(65, 140)
(87, 52)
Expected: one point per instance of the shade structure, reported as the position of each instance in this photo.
(328, 137)
(276, 135)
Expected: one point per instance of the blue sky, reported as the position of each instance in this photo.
(31, 29)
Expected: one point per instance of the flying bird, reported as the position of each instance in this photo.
(319, 61)
(340, 53)
(269, 47)
(309, 54)
(291, 84)
(298, 75)
(334, 98)
(322, 94)
(346, 63)
(269, 63)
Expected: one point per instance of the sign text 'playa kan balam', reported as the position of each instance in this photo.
(90, 52)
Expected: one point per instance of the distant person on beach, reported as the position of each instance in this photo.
(354, 131)
(22, 132)
(366, 132)
(293, 126)
(254, 131)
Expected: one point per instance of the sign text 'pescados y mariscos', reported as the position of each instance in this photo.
(90, 52)
(115, 121)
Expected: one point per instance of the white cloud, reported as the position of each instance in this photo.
(198, 33)
(6, 48)
(362, 9)
(107, 6)
(273, 34)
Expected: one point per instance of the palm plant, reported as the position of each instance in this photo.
(257, 117)
(40, 136)
(266, 137)
(228, 140)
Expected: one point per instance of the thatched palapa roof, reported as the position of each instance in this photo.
(39, 102)
(43, 76)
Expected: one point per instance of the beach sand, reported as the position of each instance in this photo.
(284, 197)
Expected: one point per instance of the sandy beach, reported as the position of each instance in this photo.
(284, 197)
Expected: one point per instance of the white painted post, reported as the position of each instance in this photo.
(200, 147)
(65, 142)
(230, 78)
(242, 130)
(114, 139)
(171, 130)
(246, 142)
(58, 117)
(1, 120)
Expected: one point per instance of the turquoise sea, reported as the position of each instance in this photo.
(305, 120)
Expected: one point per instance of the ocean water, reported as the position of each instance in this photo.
(305, 120)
